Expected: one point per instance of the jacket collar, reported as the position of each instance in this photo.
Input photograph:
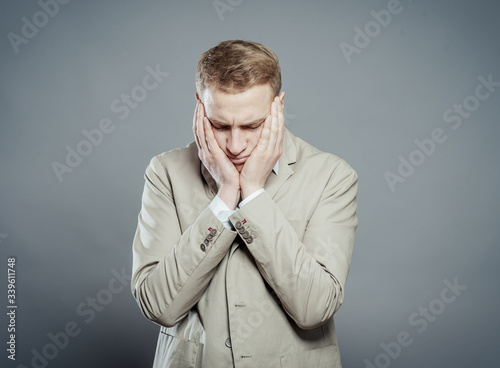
(274, 181)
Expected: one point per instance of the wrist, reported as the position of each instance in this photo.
(249, 190)
(230, 195)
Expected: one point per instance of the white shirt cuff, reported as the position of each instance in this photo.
(221, 211)
(250, 197)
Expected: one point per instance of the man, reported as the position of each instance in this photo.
(245, 236)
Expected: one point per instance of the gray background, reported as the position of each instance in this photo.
(441, 223)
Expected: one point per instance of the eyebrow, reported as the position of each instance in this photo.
(242, 125)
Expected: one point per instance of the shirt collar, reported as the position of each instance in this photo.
(277, 166)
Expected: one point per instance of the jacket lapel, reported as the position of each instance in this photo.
(287, 158)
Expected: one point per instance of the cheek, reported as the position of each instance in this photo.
(254, 136)
(220, 137)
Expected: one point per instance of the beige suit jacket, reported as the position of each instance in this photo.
(262, 295)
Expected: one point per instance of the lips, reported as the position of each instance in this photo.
(239, 160)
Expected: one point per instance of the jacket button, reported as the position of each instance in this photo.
(210, 237)
(241, 230)
(203, 247)
(206, 241)
(228, 342)
(237, 224)
(249, 239)
(213, 232)
(245, 235)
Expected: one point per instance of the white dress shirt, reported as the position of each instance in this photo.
(222, 211)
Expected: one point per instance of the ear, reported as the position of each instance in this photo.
(196, 96)
(282, 98)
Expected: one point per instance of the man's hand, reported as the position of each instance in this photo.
(267, 152)
(215, 160)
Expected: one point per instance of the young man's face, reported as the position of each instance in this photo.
(237, 119)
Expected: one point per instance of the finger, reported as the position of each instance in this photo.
(273, 136)
(265, 132)
(194, 116)
(281, 125)
(195, 125)
(209, 135)
(276, 136)
(201, 128)
(265, 140)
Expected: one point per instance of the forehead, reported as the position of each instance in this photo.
(239, 108)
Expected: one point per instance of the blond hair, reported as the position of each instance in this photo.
(235, 65)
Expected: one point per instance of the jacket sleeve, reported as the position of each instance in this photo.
(171, 270)
(308, 277)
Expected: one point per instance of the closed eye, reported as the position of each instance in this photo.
(256, 126)
(218, 128)
(227, 127)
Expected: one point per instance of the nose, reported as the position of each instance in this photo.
(236, 142)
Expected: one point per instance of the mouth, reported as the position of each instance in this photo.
(239, 160)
